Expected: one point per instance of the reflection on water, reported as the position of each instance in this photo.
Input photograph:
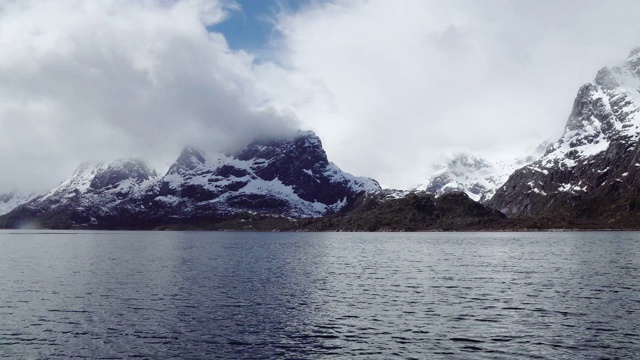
(248, 295)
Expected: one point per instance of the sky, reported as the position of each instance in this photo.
(391, 87)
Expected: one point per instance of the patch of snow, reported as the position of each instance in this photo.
(13, 199)
(571, 188)
(357, 183)
(170, 199)
(537, 191)
(479, 178)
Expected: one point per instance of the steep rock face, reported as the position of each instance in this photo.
(592, 170)
(290, 177)
(303, 165)
(477, 177)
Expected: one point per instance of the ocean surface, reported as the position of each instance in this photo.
(204, 295)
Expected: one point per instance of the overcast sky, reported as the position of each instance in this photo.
(390, 86)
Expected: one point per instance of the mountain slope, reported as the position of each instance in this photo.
(290, 177)
(477, 177)
(592, 170)
(277, 177)
(13, 199)
(95, 190)
(413, 211)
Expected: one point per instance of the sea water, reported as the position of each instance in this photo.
(201, 295)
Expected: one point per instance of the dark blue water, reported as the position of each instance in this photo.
(201, 295)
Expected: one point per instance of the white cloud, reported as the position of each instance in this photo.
(392, 86)
(104, 79)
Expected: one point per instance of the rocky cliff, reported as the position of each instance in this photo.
(591, 172)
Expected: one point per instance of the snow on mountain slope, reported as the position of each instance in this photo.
(98, 188)
(13, 199)
(605, 110)
(596, 157)
(477, 177)
(285, 177)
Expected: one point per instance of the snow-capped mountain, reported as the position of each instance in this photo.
(592, 170)
(477, 177)
(286, 177)
(93, 191)
(101, 182)
(13, 199)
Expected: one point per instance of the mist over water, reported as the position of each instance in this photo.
(247, 295)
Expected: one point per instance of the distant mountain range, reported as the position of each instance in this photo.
(281, 177)
(477, 177)
(589, 178)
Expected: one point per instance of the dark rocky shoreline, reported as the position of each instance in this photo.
(416, 212)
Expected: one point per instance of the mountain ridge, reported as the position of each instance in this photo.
(282, 177)
(591, 172)
(476, 176)
(588, 178)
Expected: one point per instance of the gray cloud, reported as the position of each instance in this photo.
(394, 86)
(98, 80)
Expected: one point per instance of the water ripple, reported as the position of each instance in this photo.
(290, 296)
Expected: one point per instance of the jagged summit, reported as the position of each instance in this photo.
(291, 177)
(189, 158)
(604, 110)
(276, 177)
(475, 176)
(305, 143)
(633, 61)
(594, 159)
(115, 174)
(98, 186)
(463, 172)
(121, 176)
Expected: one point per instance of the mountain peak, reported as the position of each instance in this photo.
(289, 175)
(633, 61)
(462, 162)
(11, 200)
(475, 176)
(191, 153)
(593, 157)
(634, 54)
(305, 146)
(608, 78)
(308, 134)
(112, 175)
(275, 177)
(190, 158)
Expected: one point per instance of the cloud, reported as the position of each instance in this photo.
(393, 86)
(97, 80)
